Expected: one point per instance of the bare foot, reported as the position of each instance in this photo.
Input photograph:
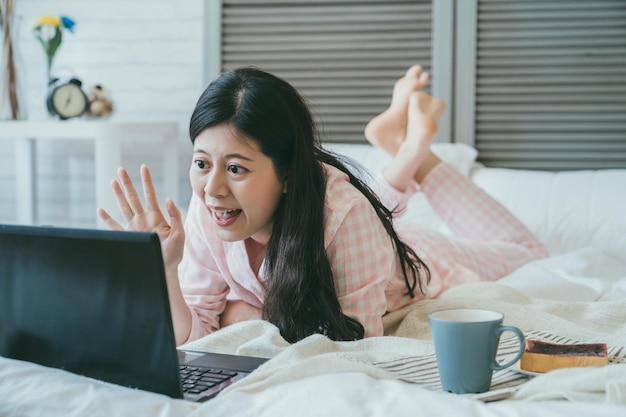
(388, 129)
(413, 158)
(424, 111)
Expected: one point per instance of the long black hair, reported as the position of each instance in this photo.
(300, 296)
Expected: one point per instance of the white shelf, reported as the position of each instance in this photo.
(107, 137)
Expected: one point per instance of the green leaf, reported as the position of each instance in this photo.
(43, 43)
(54, 43)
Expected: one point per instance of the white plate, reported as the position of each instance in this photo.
(517, 368)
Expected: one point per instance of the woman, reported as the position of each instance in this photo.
(280, 229)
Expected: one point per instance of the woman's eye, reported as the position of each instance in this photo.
(234, 169)
(200, 164)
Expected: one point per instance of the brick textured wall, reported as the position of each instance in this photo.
(147, 53)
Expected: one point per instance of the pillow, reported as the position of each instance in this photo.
(567, 210)
(459, 155)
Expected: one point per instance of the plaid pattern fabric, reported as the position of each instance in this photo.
(489, 243)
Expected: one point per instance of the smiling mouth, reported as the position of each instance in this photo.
(224, 218)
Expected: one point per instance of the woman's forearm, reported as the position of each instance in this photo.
(181, 314)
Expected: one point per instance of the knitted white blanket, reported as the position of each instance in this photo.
(407, 352)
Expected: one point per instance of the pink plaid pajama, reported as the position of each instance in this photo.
(488, 244)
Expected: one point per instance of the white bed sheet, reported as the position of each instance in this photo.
(586, 274)
(54, 393)
(579, 293)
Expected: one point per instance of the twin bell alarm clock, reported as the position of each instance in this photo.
(66, 98)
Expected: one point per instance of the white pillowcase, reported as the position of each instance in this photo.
(566, 210)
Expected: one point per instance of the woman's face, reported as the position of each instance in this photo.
(238, 184)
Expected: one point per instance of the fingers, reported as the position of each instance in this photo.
(108, 220)
(128, 198)
(120, 198)
(129, 201)
(149, 192)
(176, 219)
(131, 193)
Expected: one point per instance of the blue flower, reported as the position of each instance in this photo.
(68, 23)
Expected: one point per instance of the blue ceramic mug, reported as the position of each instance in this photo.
(466, 342)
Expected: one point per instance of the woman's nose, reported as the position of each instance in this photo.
(215, 185)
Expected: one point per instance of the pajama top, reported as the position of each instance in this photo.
(488, 243)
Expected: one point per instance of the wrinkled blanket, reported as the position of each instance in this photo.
(403, 352)
(573, 297)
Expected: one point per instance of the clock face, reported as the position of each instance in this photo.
(68, 101)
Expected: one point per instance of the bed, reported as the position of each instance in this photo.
(578, 294)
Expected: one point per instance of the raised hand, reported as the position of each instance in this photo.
(150, 219)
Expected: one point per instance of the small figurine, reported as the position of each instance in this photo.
(100, 105)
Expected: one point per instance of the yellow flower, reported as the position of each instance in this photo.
(49, 32)
(49, 21)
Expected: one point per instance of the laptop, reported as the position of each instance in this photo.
(95, 303)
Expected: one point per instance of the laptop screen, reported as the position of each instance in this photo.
(93, 302)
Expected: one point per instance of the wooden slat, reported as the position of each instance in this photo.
(344, 57)
(551, 84)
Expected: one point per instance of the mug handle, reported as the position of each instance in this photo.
(522, 346)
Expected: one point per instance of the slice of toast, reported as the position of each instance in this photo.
(544, 356)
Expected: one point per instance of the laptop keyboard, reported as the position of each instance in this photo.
(197, 380)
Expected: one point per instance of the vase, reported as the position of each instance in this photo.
(13, 82)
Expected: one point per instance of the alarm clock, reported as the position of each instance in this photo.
(67, 99)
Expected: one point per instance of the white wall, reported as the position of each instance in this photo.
(147, 53)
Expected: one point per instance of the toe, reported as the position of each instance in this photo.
(423, 79)
(414, 71)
